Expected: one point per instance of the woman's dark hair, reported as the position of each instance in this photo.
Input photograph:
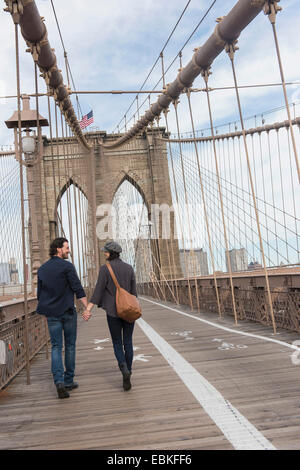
(113, 255)
(57, 243)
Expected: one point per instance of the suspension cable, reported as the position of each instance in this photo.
(231, 51)
(68, 68)
(158, 57)
(181, 49)
(20, 151)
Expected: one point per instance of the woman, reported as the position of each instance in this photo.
(105, 297)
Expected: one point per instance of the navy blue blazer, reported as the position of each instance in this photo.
(57, 284)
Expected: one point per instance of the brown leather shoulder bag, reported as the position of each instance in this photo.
(128, 307)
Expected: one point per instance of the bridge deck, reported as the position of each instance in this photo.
(255, 376)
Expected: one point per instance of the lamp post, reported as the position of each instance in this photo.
(32, 153)
(29, 144)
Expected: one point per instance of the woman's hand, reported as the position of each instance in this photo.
(86, 315)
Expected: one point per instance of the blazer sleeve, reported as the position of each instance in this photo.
(100, 286)
(39, 287)
(74, 282)
(133, 284)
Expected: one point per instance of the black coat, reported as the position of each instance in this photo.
(57, 284)
(105, 291)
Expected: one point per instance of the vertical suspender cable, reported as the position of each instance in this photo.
(186, 203)
(26, 342)
(221, 198)
(231, 51)
(273, 8)
(204, 206)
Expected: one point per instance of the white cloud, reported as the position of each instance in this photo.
(112, 45)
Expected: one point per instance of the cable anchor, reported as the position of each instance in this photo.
(176, 102)
(271, 8)
(231, 48)
(15, 8)
(205, 73)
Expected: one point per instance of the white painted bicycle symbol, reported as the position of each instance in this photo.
(226, 346)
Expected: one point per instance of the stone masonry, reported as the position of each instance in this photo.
(142, 161)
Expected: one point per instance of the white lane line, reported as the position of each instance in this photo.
(235, 427)
(243, 333)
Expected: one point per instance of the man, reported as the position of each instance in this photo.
(57, 284)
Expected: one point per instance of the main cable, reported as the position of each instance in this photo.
(68, 68)
(180, 51)
(155, 63)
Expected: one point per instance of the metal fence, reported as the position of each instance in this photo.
(13, 341)
(250, 297)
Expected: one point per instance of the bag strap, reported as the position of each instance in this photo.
(112, 275)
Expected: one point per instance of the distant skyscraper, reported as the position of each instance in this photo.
(9, 273)
(238, 260)
(196, 261)
(14, 275)
(254, 265)
(4, 273)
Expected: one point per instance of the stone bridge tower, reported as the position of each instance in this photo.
(142, 161)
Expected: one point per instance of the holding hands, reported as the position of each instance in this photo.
(86, 315)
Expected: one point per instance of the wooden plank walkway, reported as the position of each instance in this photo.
(257, 377)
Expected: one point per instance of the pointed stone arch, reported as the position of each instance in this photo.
(136, 183)
(64, 188)
(143, 163)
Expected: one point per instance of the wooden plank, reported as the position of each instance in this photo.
(260, 380)
(159, 412)
(100, 415)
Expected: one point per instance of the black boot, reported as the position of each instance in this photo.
(126, 376)
(61, 391)
(71, 386)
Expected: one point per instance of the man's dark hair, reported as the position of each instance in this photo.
(57, 243)
(113, 255)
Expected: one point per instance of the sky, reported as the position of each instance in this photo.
(113, 45)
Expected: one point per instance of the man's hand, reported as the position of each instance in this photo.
(86, 315)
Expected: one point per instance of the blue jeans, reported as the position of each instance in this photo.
(122, 343)
(67, 324)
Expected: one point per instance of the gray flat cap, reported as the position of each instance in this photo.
(112, 246)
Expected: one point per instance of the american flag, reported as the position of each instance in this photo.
(86, 120)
